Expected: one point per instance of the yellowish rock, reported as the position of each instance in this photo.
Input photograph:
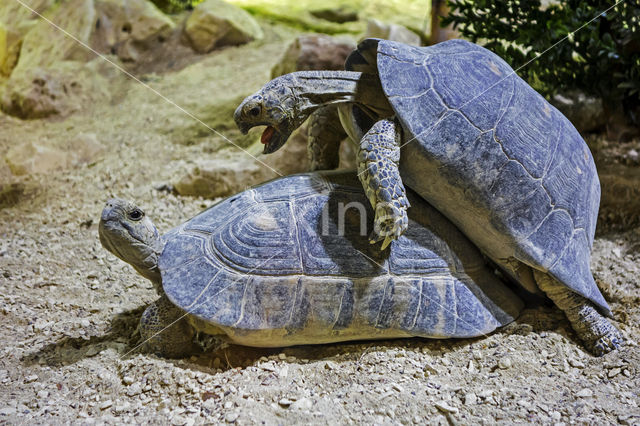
(216, 23)
(120, 21)
(44, 44)
(10, 43)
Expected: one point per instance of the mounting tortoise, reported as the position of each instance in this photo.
(455, 123)
(289, 263)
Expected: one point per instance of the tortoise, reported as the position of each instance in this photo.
(456, 124)
(289, 263)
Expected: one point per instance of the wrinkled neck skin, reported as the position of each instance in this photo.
(148, 265)
(139, 245)
(313, 89)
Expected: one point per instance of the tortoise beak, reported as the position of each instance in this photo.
(237, 117)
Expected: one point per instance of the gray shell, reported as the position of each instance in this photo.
(269, 269)
(493, 156)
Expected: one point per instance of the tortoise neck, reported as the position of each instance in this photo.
(314, 89)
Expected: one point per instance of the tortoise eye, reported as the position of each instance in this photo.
(136, 214)
(255, 111)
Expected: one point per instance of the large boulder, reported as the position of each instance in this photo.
(15, 21)
(216, 23)
(60, 89)
(44, 44)
(123, 26)
(314, 52)
(49, 77)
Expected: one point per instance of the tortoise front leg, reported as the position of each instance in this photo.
(378, 159)
(324, 134)
(598, 334)
(165, 330)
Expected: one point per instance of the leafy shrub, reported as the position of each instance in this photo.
(601, 59)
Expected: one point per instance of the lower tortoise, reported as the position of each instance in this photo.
(289, 263)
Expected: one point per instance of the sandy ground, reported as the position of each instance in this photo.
(69, 310)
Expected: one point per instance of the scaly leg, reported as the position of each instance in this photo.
(324, 134)
(166, 332)
(598, 334)
(378, 158)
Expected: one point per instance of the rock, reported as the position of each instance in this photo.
(444, 407)
(339, 15)
(10, 43)
(31, 158)
(31, 378)
(231, 417)
(314, 52)
(45, 45)
(586, 113)
(285, 402)
(585, 393)
(105, 404)
(470, 398)
(234, 172)
(18, 18)
(50, 77)
(504, 363)
(216, 23)
(123, 26)
(394, 32)
(302, 404)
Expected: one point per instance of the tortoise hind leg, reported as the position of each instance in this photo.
(598, 334)
(378, 159)
(324, 134)
(165, 330)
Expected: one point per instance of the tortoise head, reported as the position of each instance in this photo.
(275, 106)
(128, 233)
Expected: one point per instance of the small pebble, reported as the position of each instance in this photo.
(585, 393)
(504, 363)
(127, 380)
(31, 378)
(285, 402)
(614, 372)
(443, 406)
(470, 398)
(231, 417)
(105, 404)
(330, 365)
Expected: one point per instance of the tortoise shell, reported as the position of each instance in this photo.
(289, 262)
(491, 154)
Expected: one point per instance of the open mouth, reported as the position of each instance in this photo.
(267, 134)
(272, 139)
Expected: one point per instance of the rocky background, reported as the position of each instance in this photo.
(151, 120)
